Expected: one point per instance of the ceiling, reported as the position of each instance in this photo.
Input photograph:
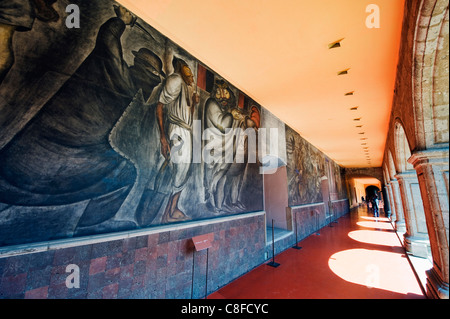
(277, 52)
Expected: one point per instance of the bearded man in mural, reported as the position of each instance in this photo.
(63, 156)
(176, 108)
(225, 124)
(218, 121)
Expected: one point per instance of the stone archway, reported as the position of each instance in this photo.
(430, 74)
(357, 179)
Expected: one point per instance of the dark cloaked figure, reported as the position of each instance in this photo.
(63, 155)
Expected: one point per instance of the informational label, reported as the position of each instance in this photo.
(203, 241)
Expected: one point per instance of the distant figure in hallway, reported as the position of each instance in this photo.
(374, 202)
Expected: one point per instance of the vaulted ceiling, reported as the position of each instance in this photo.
(278, 53)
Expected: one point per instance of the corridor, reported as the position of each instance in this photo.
(359, 257)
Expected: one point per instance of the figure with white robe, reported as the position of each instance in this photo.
(176, 146)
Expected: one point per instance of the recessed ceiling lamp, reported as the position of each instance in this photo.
(335, 44)
(355, 108)
(343, 72)
(357, 119)
(349, 93)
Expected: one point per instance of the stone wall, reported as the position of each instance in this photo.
(154, 263)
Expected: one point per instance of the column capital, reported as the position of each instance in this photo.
(434, 156)
(406, 175)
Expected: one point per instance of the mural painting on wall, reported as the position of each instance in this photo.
(339, 176)
(305, 169)
(100, 128)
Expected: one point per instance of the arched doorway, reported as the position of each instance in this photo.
(358, 179)
(372, 191)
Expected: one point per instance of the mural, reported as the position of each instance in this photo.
(101, 127)
(112, 126)
(307, 168)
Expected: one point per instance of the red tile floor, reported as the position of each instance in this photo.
(360, 257)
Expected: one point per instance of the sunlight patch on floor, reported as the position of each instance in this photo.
(373, 269)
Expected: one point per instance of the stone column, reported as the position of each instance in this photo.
(433, 176)
(400, 225)
(416, 236)
(386, 202)
(391, 201)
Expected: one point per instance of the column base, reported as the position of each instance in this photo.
(436, 287)
(417, 246)
(400, 226)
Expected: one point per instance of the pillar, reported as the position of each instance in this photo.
(399, 217)
(416, 236)
(390, 198)
(433, 173)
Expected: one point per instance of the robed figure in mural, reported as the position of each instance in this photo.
(225, 124)
(63, 154)
(176, 108)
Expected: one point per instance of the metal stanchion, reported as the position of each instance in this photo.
(296, 239)
(193, 268)
(206, 280)
(201, 242)
(317, 224)
(273, 263)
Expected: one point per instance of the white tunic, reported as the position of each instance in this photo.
(175, 97)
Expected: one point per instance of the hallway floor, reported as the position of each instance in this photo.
(359, 257)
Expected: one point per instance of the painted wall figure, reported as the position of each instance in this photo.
(219, 122)
(305, 169)
(180, 108)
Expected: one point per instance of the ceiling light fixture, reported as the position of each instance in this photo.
(357, 119)
(349, 93)
(335, 44)
(343, 72)
(355, 108)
